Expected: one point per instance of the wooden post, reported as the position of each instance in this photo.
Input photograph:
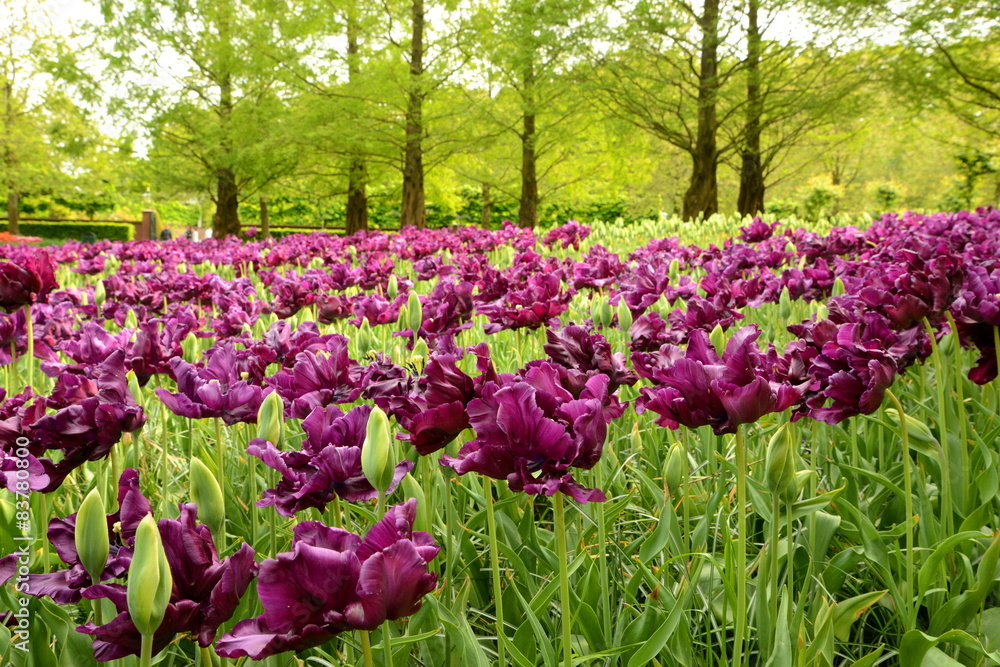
(147, 228)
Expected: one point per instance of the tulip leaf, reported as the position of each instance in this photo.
(469, 653)
(916, 645)
(847, 611)
(958, 611)
(657, 540)
(929, 570)
(870, 659)
(590, 626)
(658, 639)
(781, 655)
(542, 637)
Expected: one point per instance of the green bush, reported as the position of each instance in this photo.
(112, 231)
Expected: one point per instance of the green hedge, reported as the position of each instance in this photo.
(112, 231)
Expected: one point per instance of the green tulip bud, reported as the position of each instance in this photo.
(624, 316)
(392, 289)
(413, 490)
(149, 579)
(92, 542)
(271, 420)
(675, 468)
(674, 271)
(790, 248)
(377, 450)
(365, 339)
(190, 348)
(636, 439)
(131, 322)
(917, 430)
(100, 294)
(947, 344)
(415, 312)
(134, 388)
(316, 263)
(785, 304)
(207, 495)
(779, 461)
(838, 287)
(718, 338)
(600, 313)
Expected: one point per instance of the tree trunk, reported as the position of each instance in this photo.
(357, 175)
(527, 214)
(13, 213)
(702, 196)
(751, 197)
(487, 207)
(226, 220)
(413, 211)
(357, 197)
(265, 219)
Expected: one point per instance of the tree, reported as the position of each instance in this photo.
(216, 123)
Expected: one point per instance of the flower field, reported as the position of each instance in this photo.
(656, 444)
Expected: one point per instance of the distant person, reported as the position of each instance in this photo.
(189, 234)
(166, 234)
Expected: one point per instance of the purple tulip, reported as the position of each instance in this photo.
(328, 466)
(67, 586)
(218, 390)
(333, 581)
(26, 279)
(206, 591)
(318, 379)
(585, 355)
(698, 388)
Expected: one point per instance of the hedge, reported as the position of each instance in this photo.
(112, 231)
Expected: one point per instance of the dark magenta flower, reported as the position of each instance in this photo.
(695, 387)
(585, 355)
(25, 279)
(757, 231)
(218, 390)
(319, 378)
(434, 411)
(531, 431)
(206, 591)
(977, 314)
(333, 581)
(67, 586)
(328, 465)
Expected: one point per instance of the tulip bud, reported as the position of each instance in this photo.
(636, 439)
(600, 313)
(915, 429)
(131, 322)
(92, 535)
(790, 248)
(316, 263)
(134, 388)
(785, 304)
(779, 462)
(207, 495)
(149, 579)
(624, 316)
(718, 338)
(838, 287)
(376, 452)
(674, 271)
(271, 420)
(392, 289)
(947, 344)
(100, 294)
(675, 468)
(365, 340)
(190, 349)
(415, 312)
(413, 490)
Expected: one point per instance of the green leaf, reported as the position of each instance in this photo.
(916, 645)
(929, 570)
(847, 611)
(652, 647)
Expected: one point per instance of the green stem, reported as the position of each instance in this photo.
(996, 350)
(947, 509)
(560, 528)
(164, 463)
(30, 325)
(775, 538)
(491, 522)
(206, 656)
(336, 516)
(741, 547)
(602, 557)
(44, 511)
(146, 656)
(962, 420)
(387, 644)
(908, 499)
(366, 649)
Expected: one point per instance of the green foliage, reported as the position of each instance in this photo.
(112, 231)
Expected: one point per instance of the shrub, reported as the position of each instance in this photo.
(112, 231)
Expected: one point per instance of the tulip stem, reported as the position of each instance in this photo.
(146, 656)
(947, 509)
(29, 325)
(387, 644)
(206, 656)
(560, 527)
(908, 499)
(491, 521)
(741, 547)
(602, 556)
(366, 649)
(220, 450)
(43, 509)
